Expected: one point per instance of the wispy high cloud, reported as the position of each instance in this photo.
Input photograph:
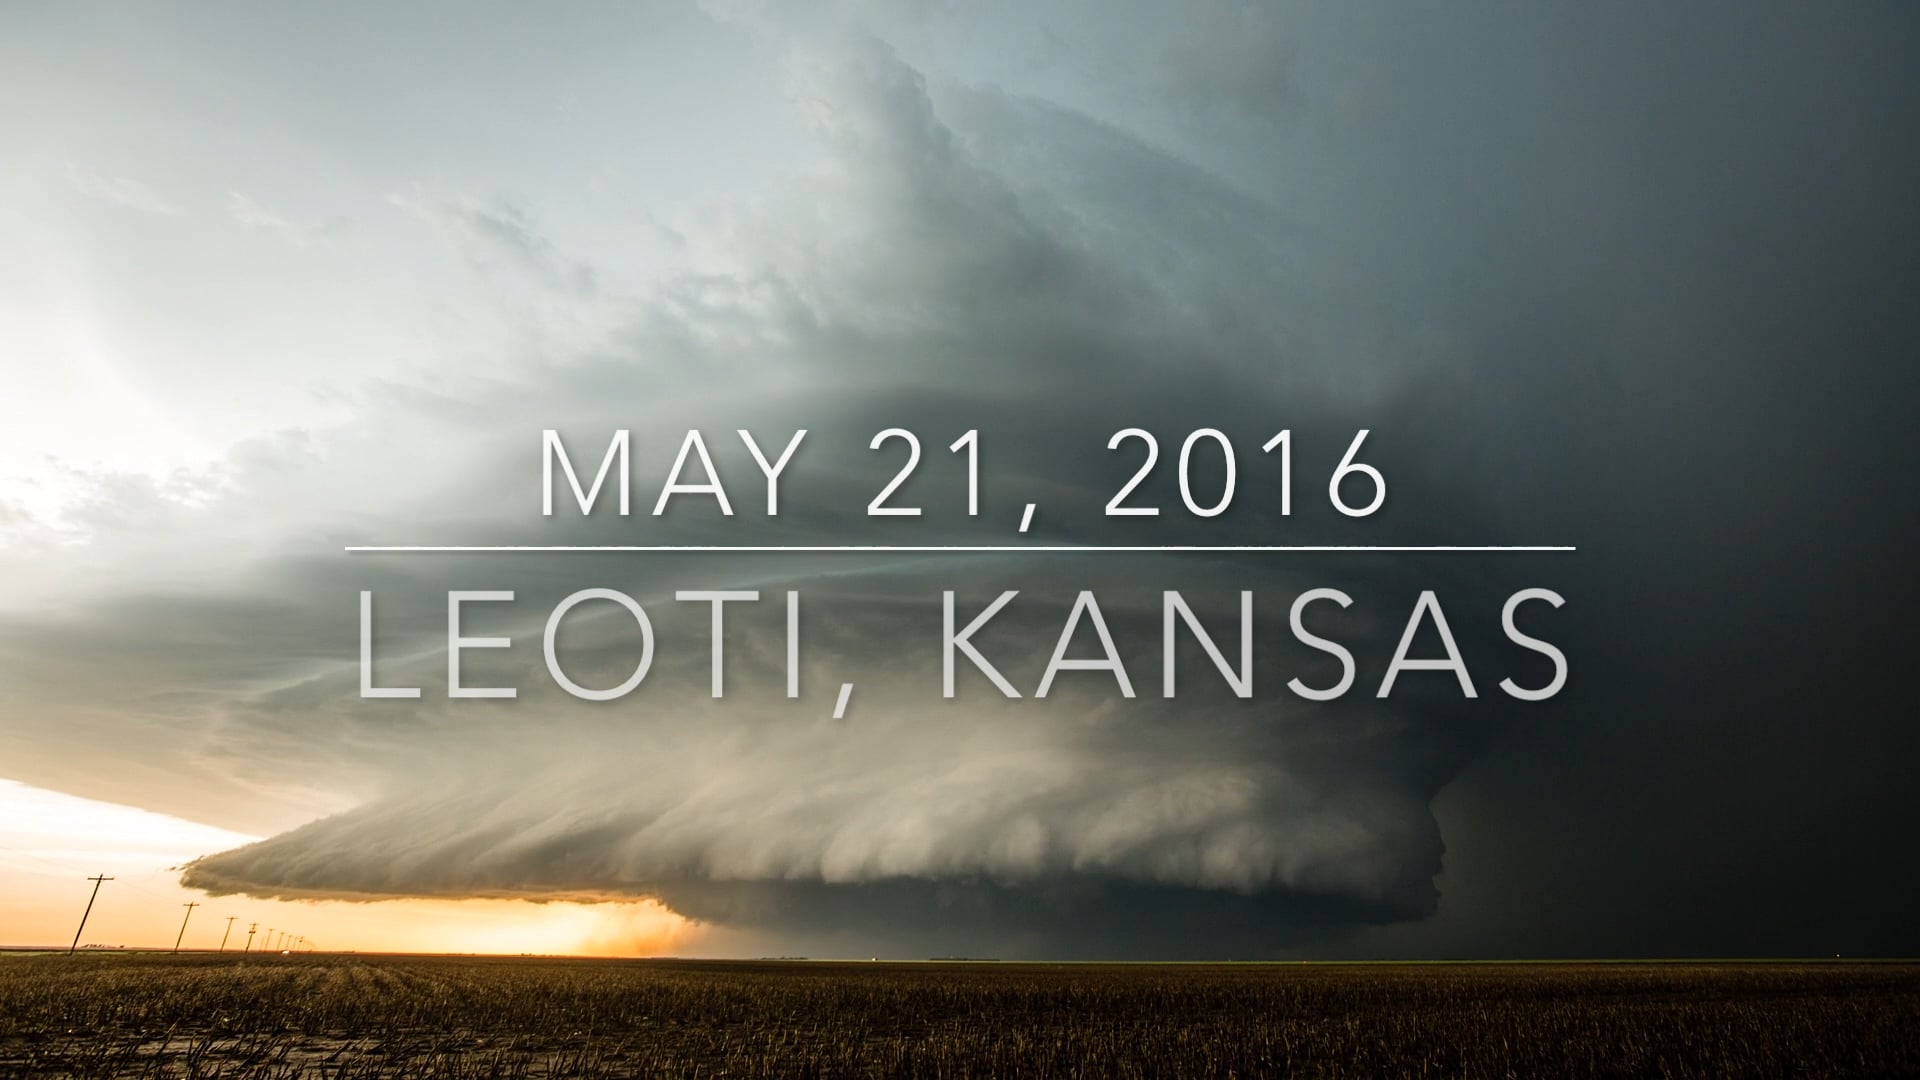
(119, 190)
(498, 232)
(300, 234)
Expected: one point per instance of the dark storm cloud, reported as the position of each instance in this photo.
(1717, 218)
(719, 808)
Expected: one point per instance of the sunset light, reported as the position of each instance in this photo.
(51, 842)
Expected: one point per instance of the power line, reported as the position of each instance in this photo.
(96, 879)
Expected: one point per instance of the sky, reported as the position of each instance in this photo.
(1634, 279)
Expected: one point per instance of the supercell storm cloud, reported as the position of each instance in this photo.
(1032, 306)
(1536, 257)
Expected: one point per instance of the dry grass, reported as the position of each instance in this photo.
(323, 1016)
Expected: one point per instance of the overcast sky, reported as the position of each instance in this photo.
(1634, 278)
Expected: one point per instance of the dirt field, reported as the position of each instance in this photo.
(350, 1016)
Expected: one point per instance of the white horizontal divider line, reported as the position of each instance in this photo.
(938, 549)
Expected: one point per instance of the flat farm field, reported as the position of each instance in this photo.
(133, 1014)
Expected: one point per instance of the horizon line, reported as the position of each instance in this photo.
(945, 549)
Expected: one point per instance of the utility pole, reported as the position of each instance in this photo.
(229, 933)
(251, 927)
(268, 946)
(96, 879)
(182, 936)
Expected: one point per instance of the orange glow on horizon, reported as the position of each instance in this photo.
(51, 842)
